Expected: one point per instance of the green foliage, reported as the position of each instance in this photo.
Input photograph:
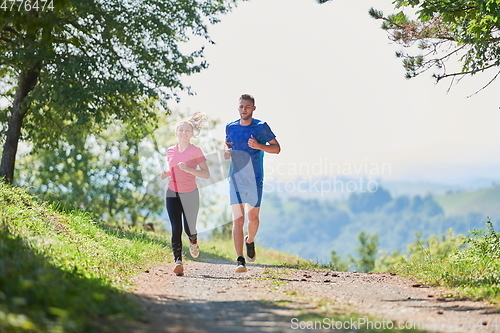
(337, 263)
(480, 261)
(367, 252)
(469, 264)
(485, 243)
(432, 250)
(365, 258)
(84, 64)
(366, 255)
(112, 176)
(465, 31)
(101, 174)
(65, 273)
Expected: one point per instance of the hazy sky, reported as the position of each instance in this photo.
(326, 79)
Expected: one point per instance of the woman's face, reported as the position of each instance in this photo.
(184, 132)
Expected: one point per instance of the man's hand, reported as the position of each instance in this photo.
(227, 153)
(252, 143)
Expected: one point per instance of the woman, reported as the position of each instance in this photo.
(186, 162)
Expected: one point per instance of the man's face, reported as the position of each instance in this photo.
(246, 109)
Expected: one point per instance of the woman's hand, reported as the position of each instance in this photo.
(165, 174)
(183, 166)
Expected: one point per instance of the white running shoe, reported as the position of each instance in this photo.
(241, 268)
(179, 269)
(194, 250)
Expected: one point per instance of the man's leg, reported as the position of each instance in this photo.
(253, 212)
(253, 226)
(238, 223)
(253, 223)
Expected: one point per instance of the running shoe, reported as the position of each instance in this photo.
(178, 269)
(194, 250)
(251, 256)
(241, 265)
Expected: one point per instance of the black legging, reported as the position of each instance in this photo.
(182, 207)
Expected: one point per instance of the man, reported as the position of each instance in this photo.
(246, 141)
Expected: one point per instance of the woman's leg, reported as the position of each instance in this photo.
(174, 210)
(191, 205)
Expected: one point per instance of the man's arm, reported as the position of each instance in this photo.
(272, 147)
(227, 150)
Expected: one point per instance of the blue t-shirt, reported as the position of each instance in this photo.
(242, 171)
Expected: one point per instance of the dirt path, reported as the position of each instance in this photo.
(211, 297)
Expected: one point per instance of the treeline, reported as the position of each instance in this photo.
(369, 202)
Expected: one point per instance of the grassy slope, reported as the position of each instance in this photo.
(62, 272)
(484, 201)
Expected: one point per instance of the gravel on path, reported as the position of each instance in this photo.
(212, 298)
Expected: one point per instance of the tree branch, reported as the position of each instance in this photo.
(439, 77)
(486, 85)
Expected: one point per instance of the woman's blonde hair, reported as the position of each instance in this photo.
(196, 122)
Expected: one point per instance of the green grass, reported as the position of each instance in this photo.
(224, 250)
(63, 272)
(471, 268)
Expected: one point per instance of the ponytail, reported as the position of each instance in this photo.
(196, 122)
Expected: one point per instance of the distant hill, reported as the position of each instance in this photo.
(435, 188)
(485, 201)
(312, 227)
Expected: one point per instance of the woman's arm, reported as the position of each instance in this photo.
(202, 172)
(165, 174)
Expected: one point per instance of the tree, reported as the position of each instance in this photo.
(368, 201)
(399, 204)
(73, 68)
(366, 255)
(99, 174)
(337, 263)
(367, 252)
(466, 31)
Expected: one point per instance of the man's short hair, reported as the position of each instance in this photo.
(247, 97)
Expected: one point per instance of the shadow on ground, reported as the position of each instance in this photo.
(167, 314)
